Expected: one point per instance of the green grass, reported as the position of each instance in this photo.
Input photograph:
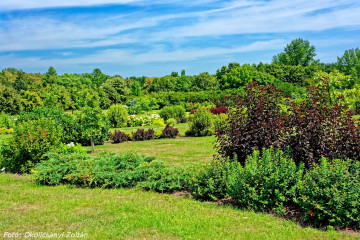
(134, 214)
(179, 151)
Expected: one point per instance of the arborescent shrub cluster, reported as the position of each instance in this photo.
(310, 129)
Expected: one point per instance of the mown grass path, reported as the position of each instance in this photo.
(134, 214)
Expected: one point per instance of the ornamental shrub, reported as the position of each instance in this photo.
(142, 134)
(119, 137)
(176, 111)
(118, 115)
(310, 128)
(201, 123)
(171, 121)
(266, 182)
(330, 194)
(169, 132)
(28, 144)
(218, 110)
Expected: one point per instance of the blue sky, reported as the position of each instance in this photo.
(154, 38)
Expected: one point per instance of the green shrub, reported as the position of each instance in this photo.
(109, 171)
(67, 122)
(158, 134)
(171, 121)
(28, 144)
(201, 123)
(91, 123)
(330, 193)
(118, 115)
(209, 182)
(220, 121)
(6, 121)
(4, 131)
(158, 122)
(176, 111)
(266, 181)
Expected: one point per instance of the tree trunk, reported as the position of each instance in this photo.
(92, 145)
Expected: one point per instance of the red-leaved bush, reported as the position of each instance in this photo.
(119, 137)
(309, 129)
(218, 110)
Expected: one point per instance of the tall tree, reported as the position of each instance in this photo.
(298, 52)
(349, 63)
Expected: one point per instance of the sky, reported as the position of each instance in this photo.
(155, 38)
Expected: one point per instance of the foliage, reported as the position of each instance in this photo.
(171, 121)
(220, 122)
(298, 52)
(158, 122)
(349, 63)
(4, 131)
(67, 122)
(255, 122)
(170, 132)
(329, 193)
(104, 170)
(118, 115)
(172, 112)
(119, 137)
(310, 128)
(265, 182)
(109, 171)
(201, 123)
(94, 126)
(134, 121)
(28, 144)
(235, 76)
(142, 134)
(218, 110)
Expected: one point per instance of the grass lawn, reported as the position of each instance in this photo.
(134, 214)
(179, 151)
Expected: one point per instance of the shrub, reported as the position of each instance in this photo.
(170, 132)
(265, 182)
(103, 170)
(4, 131)
(330, 193)
(142, 134)
(110, 171)
(28, 144)
(68, 123)
(158, 122)
(119, 137)
(158, 134)
(161, 179)
(118, 115)
(92, 125)
(220, 122)
(176, 111)
(201, 123)
(171, 121)
(210, 182)
(218, 110)
(310, 128)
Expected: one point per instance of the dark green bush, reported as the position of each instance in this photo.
(266, 181)
(330, 193)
